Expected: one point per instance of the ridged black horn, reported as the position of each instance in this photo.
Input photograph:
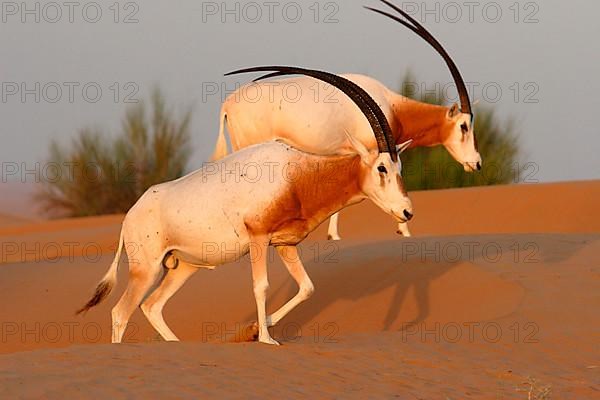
(420, 30)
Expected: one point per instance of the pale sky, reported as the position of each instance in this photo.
(184, 47)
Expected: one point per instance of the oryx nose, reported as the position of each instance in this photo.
(407, 214)
(478, 166)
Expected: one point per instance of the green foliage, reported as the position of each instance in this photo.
(434, 167)
(96, 175)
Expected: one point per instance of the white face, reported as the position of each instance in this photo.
(460, 142)
(382, 180)
(384, 186)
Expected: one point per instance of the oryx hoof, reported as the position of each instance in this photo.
(254, 334)
(268, 340)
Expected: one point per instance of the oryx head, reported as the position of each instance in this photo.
(381, 178)
(459, 137)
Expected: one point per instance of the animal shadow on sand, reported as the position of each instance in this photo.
(359, 271)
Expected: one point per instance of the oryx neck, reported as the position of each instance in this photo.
(421, 122)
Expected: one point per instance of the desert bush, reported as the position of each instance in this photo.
(104, 174)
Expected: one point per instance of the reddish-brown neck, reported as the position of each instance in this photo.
(333, 183)
(323, 186)
(426, 124)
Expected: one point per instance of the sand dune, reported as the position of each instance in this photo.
(570, 207)
(549, 208)
(48, 241)
(481, 305)
(10, 220)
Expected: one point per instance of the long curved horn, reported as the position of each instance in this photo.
(420, 30)
(368, 106)
(270, 75)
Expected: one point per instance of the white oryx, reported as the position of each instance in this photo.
(301, 113)
(267, 194)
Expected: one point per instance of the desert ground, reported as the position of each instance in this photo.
(495, 297)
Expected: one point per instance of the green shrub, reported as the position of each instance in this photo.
(103, 175)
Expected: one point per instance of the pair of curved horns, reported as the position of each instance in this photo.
(420, 30)
(368, 106)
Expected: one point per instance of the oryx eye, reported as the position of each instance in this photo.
(382, 169)
(464, 128)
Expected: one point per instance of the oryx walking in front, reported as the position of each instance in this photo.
(282, 196)
(317, 120)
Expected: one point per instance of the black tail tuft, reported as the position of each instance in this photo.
(102, 290)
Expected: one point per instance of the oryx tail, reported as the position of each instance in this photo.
(108, 282)
(221, 147)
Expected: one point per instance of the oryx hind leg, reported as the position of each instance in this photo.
(332, 231)
(142, 276)
(153, 306)
(291, 259)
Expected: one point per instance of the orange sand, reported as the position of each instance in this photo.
(496, 296)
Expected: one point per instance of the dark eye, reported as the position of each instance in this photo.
(382, 169)
(464, 128)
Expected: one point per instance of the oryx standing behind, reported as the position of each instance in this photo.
(172, 222)
(317, 120)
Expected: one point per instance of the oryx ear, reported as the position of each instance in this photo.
(403, 146)
(358, 146)
(453, 111)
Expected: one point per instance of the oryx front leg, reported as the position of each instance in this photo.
(260, 281)
(291, 259)
(332, 231)
(403, 229)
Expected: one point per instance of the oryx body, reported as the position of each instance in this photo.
(214, 216)
(269, 194)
